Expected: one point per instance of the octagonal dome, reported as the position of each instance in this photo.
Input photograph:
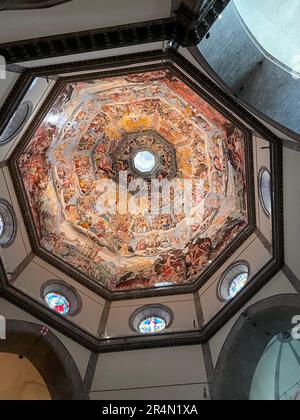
(95, 213)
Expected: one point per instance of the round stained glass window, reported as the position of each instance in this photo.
(61, 298)
(1, 225)
(58, 303)
(152, 325)
(151, 319)
(237, 284)
(8, 227)
(17, 122)
(234, 280)
(265, 190)
(144, 161)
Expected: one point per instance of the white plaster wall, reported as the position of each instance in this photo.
(182, 306)
(254, 252)
(79, 15)
(13, 255)
(291, 192)
(38, 272)
(173, 373)
(7, 84)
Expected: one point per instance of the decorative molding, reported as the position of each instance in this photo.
(89, 41)
(194, 21)
(187, 27)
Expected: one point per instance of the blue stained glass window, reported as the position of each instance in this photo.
(237, 284)
(2, 226)
(152, 325)
(57, 302)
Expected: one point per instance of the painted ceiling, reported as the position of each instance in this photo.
(89, 169)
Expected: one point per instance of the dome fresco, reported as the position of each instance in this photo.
(91, 167)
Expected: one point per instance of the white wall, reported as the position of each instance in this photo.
(182, 306)
(291, 192)
(79, 15)
(167, 373)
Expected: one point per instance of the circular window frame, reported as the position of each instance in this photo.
(147, 311)
(225, 283)
(262, 170)
(20, 127)
(10, 223)
(67, 291)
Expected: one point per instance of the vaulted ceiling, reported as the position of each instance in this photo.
(126, 234)
(100, 128)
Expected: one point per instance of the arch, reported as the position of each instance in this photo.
(49, 356)
(246, 343)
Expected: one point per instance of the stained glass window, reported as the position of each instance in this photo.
(265, 190)
(144, 161)
(233, 280)
(152, 325)
(17, 122)
(237, 284)
(7, 224)
(164, 284)
(57, 302)
(1, 225)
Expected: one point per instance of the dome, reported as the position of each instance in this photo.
(277, 375)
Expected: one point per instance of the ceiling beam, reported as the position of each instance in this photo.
(187, 26)
(195, 18)
(89, 41)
